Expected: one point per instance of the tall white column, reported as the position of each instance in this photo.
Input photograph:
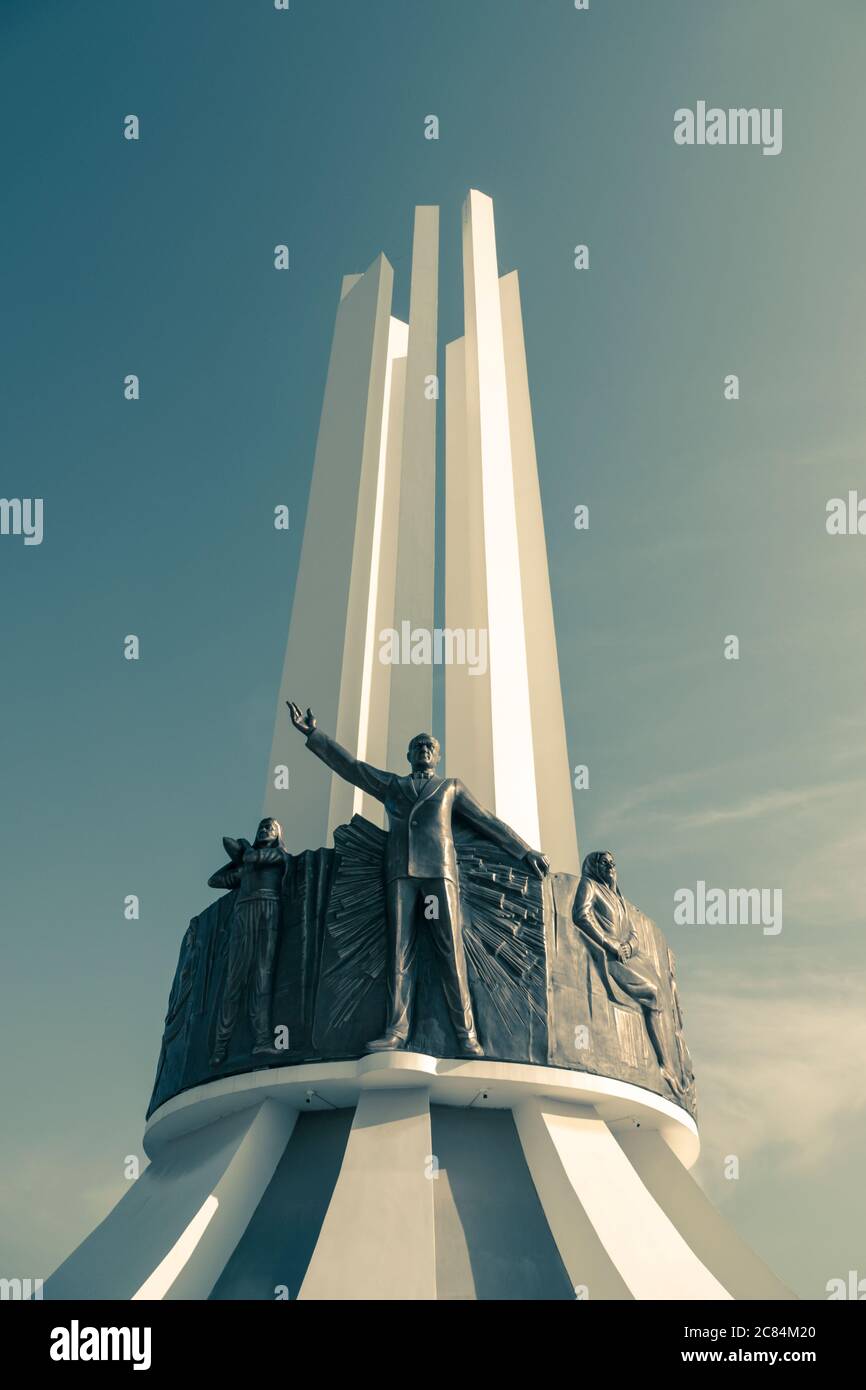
(468, 728)
(549, 742)
(363, 723)
(489, 448)
(411, 709)
(505, 728)
(368, 559)
(338, 571)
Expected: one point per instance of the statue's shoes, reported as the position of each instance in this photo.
(266, 1049)
(391, 1042)
(217, 1059)
(471, 1047)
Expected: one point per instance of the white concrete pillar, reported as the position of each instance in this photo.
(374, 708)
(549, 742)
(488, 440)
(713, 1240)
(377, 1239)
(582, 1174)
(328, 632)
(195, 1262)
(411, 708)
(175, 1230)
(468, 729)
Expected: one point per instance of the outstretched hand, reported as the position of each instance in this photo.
(538, 863)
(305, 724)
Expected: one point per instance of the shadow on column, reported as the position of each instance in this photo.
(492, 1239)
(276, 1247)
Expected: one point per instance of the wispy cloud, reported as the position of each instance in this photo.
(780, 1061)
(676, 801)
(771, 804)
(656, 797)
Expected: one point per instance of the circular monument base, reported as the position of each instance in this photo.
(403, 1176)
(457, 1082)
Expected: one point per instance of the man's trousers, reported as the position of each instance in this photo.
(405, 901)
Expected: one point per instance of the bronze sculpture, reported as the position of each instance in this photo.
(598, 997)
(421, 871)
(257, 872)
(177, 1013)
(603, 914)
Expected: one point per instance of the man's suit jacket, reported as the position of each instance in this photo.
(420, 839)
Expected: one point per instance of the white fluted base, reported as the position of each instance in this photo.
(402, 1176)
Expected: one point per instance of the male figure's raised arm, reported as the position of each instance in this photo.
(471, 811)
(370, 779)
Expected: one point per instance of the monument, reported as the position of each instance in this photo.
(419, 1049)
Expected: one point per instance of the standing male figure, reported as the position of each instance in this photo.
(421, 870)
(257, 871)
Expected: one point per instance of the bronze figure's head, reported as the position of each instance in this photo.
(423, 752)
(269, 832)
(601, 866)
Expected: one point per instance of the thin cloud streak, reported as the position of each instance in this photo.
(779, 1063)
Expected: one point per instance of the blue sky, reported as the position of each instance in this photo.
(707, 516)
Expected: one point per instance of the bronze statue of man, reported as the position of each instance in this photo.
(257, 871)
(601, 911)
(420, 868)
